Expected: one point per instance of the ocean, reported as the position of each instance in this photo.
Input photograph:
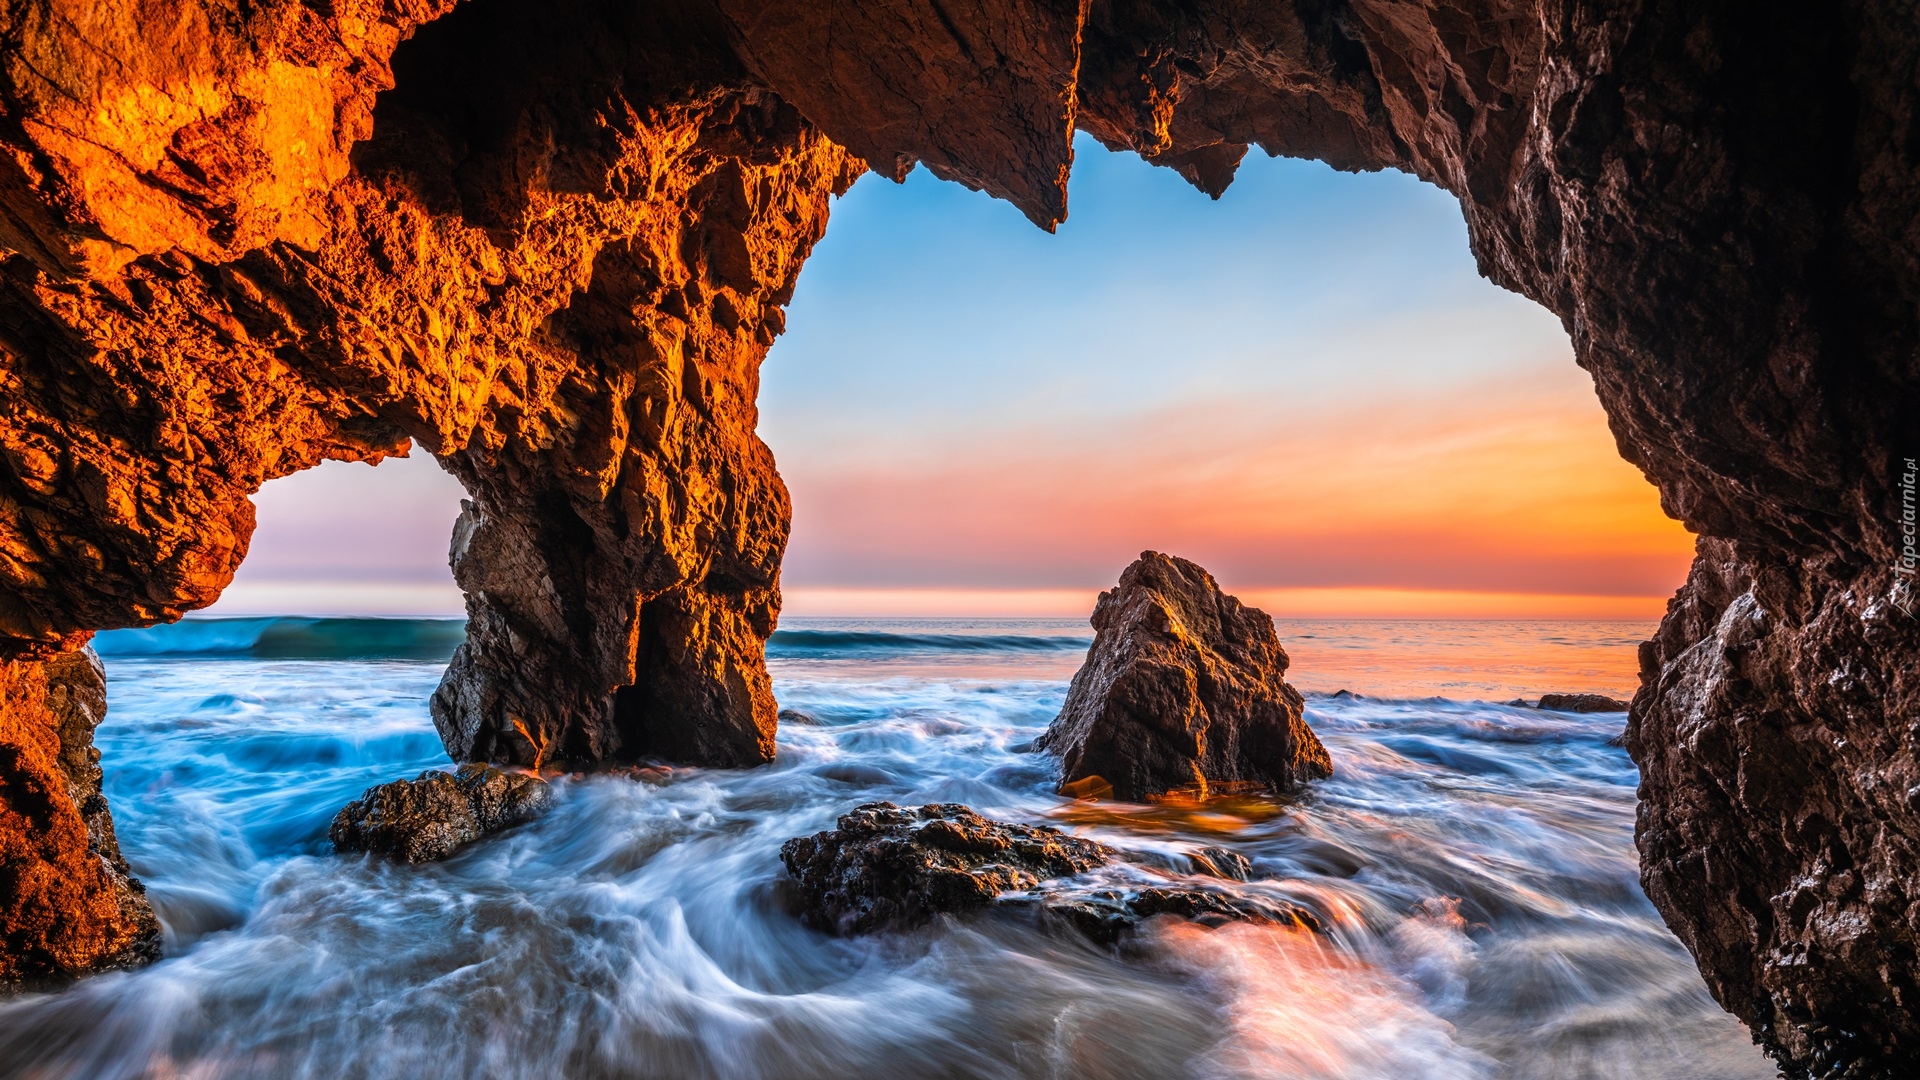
(1473, 862)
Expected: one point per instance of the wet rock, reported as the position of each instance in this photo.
(888, 867)
(68, 904)
(1221, 863)
(892, 866)
(1581, 703)
(1184, 688)
(434, 814)
(1108, 916)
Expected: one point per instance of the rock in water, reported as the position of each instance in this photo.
(892, 866)
(896, 867)
(434, 814)
(1582, 703)
(69, 905)
(1184, 688)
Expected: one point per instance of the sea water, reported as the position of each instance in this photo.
(1472, 861)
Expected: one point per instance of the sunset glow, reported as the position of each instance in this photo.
(1305, 387)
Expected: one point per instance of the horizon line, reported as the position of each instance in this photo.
(431, 601)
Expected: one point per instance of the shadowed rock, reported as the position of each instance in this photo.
(433, 815)
(1184, 688)
(1581, 703)
(1108, 915)
(892, 867)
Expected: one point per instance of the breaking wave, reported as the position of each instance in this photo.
(290, 638)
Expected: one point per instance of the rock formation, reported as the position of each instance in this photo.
(1581, 703)
(888, 867)
(891, 866)
(436, 813)
(71, 905)
(1776, 728)
(550, 241)
(1184, 688)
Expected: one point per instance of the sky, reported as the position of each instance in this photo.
(1305, 387)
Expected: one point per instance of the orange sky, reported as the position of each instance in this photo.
(1305, 387)
(1500, 499)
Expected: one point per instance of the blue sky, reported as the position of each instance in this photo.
(1306, 386)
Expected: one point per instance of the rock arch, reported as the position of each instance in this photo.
(551, 243)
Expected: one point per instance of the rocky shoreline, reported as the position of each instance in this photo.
(887, 867)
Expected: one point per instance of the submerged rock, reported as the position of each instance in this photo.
(1108, 915)
(1184, 688)
(894, 867)
(434, 814)
(1581, 703)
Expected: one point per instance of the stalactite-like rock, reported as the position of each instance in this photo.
(550, 244)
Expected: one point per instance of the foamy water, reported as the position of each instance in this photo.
(1473, 862)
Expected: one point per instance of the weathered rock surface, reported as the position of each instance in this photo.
(1581, 703)
(68, 904)
(1184, 688)
(550, 243)
(892, 867)
(1776, 730)
(436, 813)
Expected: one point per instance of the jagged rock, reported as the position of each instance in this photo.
(1184, 688)
(68, 904)
(551, 242)
(1221, 863)
(893, 867)
(1780, 822)
(1581, 703)
(1107, 916)
(436, 813)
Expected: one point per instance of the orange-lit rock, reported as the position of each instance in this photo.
(67, 902)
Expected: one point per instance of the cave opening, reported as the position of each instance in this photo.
(1306, 385)
(553, 243)
(351, 539)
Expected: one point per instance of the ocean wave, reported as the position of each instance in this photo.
(290, 638)
(800, 644)
(294, 637)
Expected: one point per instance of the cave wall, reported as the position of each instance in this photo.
(554, 258)
(551, 243)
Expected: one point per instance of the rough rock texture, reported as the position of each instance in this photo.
(1581, 703)
(68, 905)
(436, 813)
(1184, 688)
(1776, 728)
(550, 240)
(893, 867)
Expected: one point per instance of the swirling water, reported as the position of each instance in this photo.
(1473, 861)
